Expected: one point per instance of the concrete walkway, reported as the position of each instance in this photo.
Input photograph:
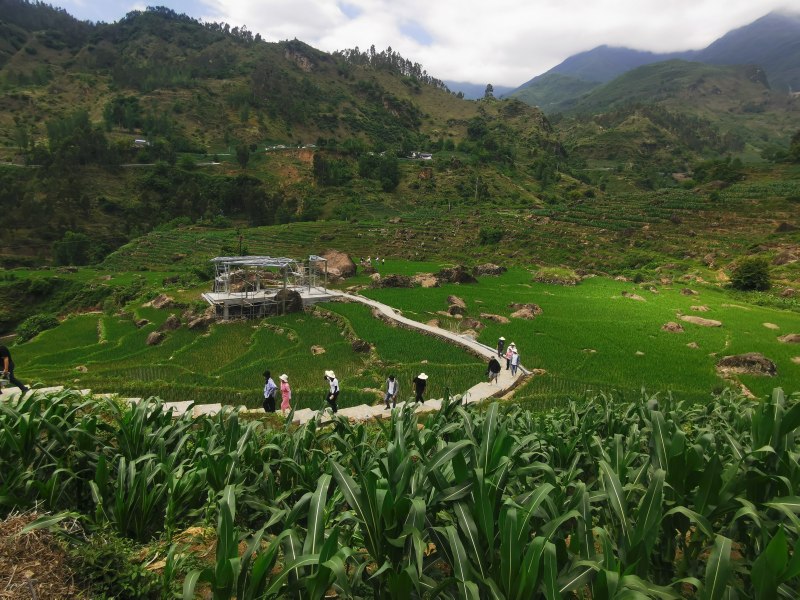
(477, 393)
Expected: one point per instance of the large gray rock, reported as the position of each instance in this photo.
(288, 301)
(488, 269)
(790, 338)
(457, 274)
(155, 338)
(171, 324)
(340, 264)
(751, 363)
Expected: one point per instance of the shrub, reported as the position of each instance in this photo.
(751, 274)
(108, 567)
(33, 326)
(489, 235)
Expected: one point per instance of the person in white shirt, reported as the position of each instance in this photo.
(391, 392)
(514, 362)
(334, 390)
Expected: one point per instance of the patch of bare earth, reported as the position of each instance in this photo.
(33, 565)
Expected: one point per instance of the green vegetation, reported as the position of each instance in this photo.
(650, 498)
(108, 353)
(751, 274)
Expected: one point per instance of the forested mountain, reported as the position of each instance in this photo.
(771, 43)
(236, 128)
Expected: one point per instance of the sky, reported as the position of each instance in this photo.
(502, 42)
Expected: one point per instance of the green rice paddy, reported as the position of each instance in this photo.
(589, 338)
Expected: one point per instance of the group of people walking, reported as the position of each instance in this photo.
(511, 355)
(332, 393)
(420, 382)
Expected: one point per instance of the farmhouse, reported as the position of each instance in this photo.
(256, 286)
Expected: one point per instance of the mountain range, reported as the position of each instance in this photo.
(771, 43)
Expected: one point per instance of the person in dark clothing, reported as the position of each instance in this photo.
(269, 393)
(8, 369)
(493, 370)
(419, 386)
(501, 343)
(333, 393)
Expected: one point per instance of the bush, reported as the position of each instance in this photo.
(489, 235)
(33, 326)
(108, 567)
(751, 274)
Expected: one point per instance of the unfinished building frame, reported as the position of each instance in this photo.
(257, 286)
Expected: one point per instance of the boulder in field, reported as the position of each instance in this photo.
(82, 369)
(161, 301)
(488, 269)
(472, 324)
(455, 309)
(701, 321)
(141, 323)
(633, 296)
(496, 318)
(155, 338)
(770, 326)
(672, 327)
(455, 300)
(315, 350)
(790, 338)
(457, 274)
(426, 280)
(394, 281)
(340, 264)
(788, 293)
(689, 292)
(751, 363)
(700, 308)
(525, 310)
(375, 277)
(171, 324)
(361, 346)
(692, 345)
(200, 322)
(288, 301)
(433, 323)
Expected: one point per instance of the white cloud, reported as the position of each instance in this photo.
(505, 42)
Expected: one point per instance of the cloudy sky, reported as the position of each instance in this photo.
(503, 42)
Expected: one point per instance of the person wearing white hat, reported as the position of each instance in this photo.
(286, 394)
(511, 347)
(333, 394)
(420, 381)
(514, 362)
(501, 343)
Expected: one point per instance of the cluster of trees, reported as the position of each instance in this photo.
(391, 61)
(695, 133)
(381, 168)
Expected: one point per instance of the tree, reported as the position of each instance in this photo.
(72, 249)
(242, 155)
(751, 274)
(489, 93)
(794, 148)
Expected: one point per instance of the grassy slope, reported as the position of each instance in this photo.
(587, 338)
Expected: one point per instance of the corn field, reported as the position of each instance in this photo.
(594, 499)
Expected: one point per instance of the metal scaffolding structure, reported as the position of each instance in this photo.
(250, 286)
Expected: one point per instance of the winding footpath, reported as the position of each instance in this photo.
(477, 393)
